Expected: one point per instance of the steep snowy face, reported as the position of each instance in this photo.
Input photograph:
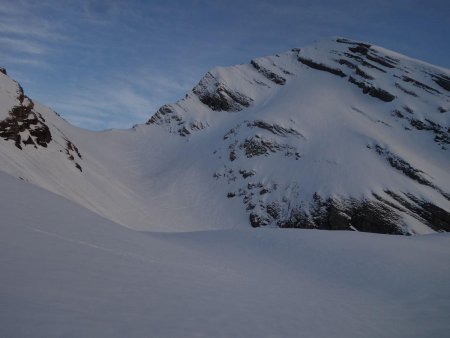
(338, 135)
(22, 125)
(38, 146)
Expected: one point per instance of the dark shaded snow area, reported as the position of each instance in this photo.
(66, 271)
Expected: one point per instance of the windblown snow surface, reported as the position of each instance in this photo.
(67, 272)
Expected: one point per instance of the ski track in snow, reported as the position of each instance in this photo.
(214, 269)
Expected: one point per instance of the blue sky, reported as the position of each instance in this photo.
(112, 63)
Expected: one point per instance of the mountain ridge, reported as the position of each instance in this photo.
(288, 140)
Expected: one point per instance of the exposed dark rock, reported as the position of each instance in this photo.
(435, 217)
(257, 221)
(3, 70)
(363, 74)
(274, 128)
(268, 74)
(322, 67)
(381, 61)
(196, 125)
(442, 80)
(442, 136)
(371, 216)
(257, 146)
(403, 166)
(438, 218)
(360, 49)
(273, 210)
(250, 206)
(363, 62)
(364, 51)
(350, 42)
(264, 191)
(22, 118)
(420, 85)
(297, 219)
(391, 204)
(218, 97)
(251, 186)
(398, 113)
(231, 194)
(224, 100)
(362, 215)
(379, 93)
(403, 89)
(167, 115)
(165, 110)
(246, 173)
(28, 141)
(419, 125)
(183, 131)
(70, 146)
(232, 155)
(354, 57)
(231, 132)
(442, 110)
(337, 219)
(347, 63)
(408, 110)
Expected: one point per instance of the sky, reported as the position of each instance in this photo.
(112, 63)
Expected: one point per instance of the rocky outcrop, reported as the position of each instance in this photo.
(278, 79)
(24, 126)
(275, 129)
(420, 85)
(345, 214)
(379, 93)
(168, 117)
(442, 80)
(219, 97)
(321, 67)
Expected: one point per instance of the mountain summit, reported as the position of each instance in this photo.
(338, 135)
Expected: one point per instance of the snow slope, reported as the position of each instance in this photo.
(66, 271)
(337, 135)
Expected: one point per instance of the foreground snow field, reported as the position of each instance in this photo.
(65, 271)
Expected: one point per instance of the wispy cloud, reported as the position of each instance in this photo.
(25, 18)
(100, 106)
(19, 26)
(22, 45)
(121, 100)
(33, 62)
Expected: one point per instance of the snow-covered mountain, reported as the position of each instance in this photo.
(337, 135)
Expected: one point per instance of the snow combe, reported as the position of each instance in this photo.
(338, 135)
